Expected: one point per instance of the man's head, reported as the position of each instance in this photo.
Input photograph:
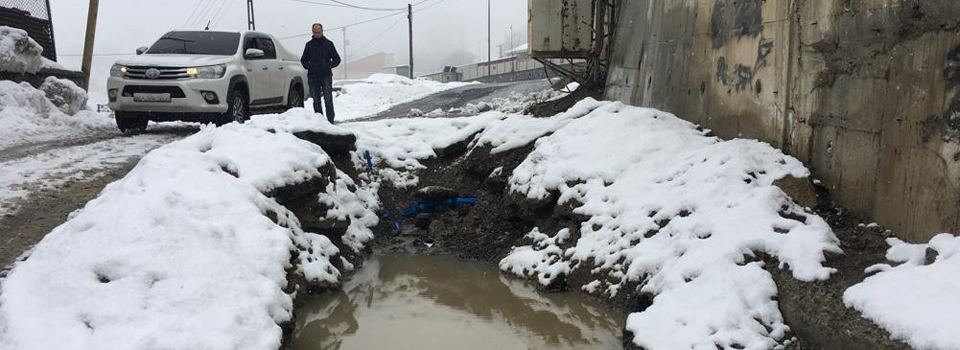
(317, 30)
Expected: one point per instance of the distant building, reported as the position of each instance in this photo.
(403, 71)
(364, 67)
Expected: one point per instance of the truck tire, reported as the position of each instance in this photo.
(295, 98)
(131, 123)
(238, 108)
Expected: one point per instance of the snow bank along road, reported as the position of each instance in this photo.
(52, 162)
(206, 257)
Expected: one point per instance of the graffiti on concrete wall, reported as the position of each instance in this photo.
(735, 19)
(741, 76)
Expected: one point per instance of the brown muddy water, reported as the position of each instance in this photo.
(440, 302)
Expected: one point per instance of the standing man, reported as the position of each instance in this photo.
(319, 58)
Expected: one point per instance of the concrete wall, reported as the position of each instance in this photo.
(865, 92)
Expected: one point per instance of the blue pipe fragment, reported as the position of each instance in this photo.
(366, 155)
(425, 206)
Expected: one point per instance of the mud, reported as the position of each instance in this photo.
(440, 302)
(815, 311)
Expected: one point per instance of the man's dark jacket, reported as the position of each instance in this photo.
(320, 57)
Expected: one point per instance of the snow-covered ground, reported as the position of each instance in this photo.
(188, 229)
(379, 92)
(917, 301)
(181, 253)
(678, 213)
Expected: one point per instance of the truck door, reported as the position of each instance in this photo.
(258, 75)
(276, 77)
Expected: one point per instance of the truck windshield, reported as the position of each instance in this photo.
(197, 43)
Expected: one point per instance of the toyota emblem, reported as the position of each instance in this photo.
(153, 73)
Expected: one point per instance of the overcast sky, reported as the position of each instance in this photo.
(442, 27)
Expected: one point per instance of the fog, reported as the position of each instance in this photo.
(446, 32)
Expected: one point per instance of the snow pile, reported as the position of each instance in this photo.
(520, 130)
(680, 214)
(398, 145)
(297, 120)
(543, 259)
(18, 52)
(65, 94)
(27, 115)
(917, 301)
(358, 204)
(184, 252)
(379, 92)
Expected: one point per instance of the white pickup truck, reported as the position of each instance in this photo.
(205, 76)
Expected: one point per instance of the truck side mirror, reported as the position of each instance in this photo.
(141, 50)
(253, 53)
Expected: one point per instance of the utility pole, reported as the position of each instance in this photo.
(251, 22)
(346, 61)
(489, 41)
(410, 23)
(88, 44)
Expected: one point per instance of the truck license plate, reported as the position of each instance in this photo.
(141, 97)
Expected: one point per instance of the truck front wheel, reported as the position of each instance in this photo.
(238, 109)
(130, 123)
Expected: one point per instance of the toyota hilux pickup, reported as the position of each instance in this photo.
(205, 76)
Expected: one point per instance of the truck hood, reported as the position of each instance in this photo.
(175, 60)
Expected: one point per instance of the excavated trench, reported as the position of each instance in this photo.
(409, 287)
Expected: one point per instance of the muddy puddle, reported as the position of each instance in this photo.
(440, 302)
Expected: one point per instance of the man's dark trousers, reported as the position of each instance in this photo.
(323, 87)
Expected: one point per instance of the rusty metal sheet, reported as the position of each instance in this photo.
(560, 28)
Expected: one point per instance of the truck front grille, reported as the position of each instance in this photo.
(166, 73)
(174, 91)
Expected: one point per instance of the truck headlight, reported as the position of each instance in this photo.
(118, 71)
(207, 72)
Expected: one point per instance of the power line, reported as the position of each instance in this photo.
(205, 12)
(195, 8)
(367, 8)
(224, 10)
(429, 6)
(320, 3)
(346, 26)
(203, 8)
(215, 14)
(402, 12)
(364, 46)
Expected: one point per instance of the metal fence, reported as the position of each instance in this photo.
(34, 17)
